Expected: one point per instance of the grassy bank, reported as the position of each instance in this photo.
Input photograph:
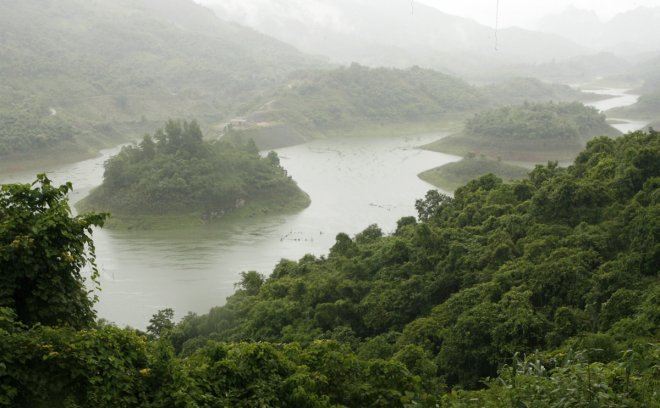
(531, 151)
(453, 175)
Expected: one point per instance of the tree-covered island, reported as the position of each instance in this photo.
(531, 132)
(176, 175)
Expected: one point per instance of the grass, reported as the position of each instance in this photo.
(532, 151)
(453, 175)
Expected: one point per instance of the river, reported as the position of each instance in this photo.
(620, 98)
(352, 183)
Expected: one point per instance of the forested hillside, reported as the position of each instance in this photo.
(111, 69)
(359, 99)
(175, 173)
(548, 285)
(530, 132)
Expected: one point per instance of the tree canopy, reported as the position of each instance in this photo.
(540, 292)
(175, 171)
(43, 254)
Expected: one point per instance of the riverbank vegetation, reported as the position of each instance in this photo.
(451, 176)
(540, 291)
(175, 174)
(531, 132)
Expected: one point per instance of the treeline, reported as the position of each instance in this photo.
(352, 96)
(25, 131)
(362, 100)
(539, 121)
(530, 132)
(176, 171)
(540, 292)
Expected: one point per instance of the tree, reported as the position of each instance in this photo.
(43, 254)
(161, 323)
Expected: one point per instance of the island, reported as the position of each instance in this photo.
(531, 132)
(175, 178)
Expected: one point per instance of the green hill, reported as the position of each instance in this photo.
(516, 91)
(540, 292)
(113, 69)
(175, 176)
(453, 175)
(532, 132)
(358, 100)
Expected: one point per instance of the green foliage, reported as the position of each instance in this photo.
(161, 323)
(570, 379)
(43, 253)
(548, 121)
(176, 172)
(23, 132)
(499, 296)
(529, 132)
(564, 258)
(329, 102)
(453, 175)
(520, 90)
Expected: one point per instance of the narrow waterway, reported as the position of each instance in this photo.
(620, 98)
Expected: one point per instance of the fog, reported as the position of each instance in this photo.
(457, 37)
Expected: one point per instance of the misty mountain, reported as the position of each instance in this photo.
(633, 32)
(394, 34)
(114, 67)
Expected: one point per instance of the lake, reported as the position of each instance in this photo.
(352, 183)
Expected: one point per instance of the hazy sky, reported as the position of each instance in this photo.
(525, 13)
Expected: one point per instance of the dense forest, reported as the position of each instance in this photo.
(453, 175)
(118, 68)
(540, 292)
(529, 132)
(176, 173)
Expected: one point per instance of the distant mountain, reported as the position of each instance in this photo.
(633, 32)
(394, 34)
(111, 68)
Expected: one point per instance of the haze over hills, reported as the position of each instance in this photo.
(627, 34)
(112, 68)
(394, 34)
